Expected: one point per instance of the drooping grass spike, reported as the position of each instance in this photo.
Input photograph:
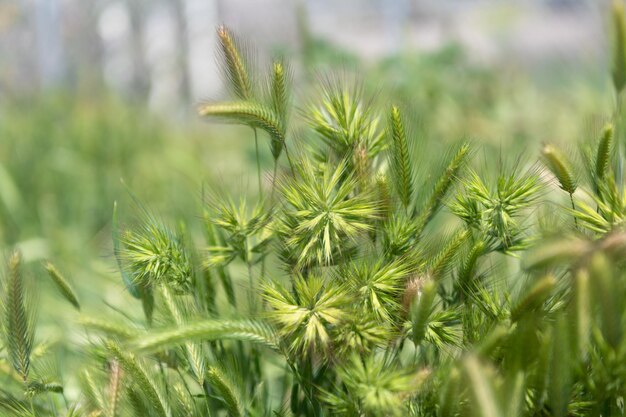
(560, 167)
(235, 64)
(18, 330)
(251, 114)
(62, 284)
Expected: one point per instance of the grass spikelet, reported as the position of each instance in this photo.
(235, 63)
(345, 121)
(421, 309)
(245, 330)
(108, 327)
(560, 167)
(400, 159)
(619, 45)
(41, 387)
(139, 376)
(62, 285)
(320, 218)
(185, 401)
(378, 284)
(157, 255)
(469, 264)
(18, 327)
(251, 114)
(114, 389)
(92, 393)
(445, 256)
(603, 154)
(443, 184)
(280, 95)
(227, 391)
(306, 316)
(280, 90)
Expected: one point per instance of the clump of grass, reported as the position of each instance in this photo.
(373, 286)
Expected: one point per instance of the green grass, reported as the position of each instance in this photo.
(421, 253)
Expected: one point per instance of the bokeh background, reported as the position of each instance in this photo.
(98, 98)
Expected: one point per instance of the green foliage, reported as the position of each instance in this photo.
(373, 286)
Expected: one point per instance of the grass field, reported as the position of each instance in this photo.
(428, 238)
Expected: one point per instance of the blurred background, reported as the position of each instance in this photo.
(160, 52)
(98, 98)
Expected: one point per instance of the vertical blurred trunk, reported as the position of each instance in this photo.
(140, 77)
(49, 42)
(85, 48)
(307, 47)
(182, 54)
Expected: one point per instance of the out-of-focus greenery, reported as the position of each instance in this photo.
(65, 159)
(501, 106)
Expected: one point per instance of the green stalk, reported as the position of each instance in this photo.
(618, 144)
(293, 171)
(571, 199)
(258, 162)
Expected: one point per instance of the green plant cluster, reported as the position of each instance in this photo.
(374, 287)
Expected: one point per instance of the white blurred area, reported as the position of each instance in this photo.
(162, 52)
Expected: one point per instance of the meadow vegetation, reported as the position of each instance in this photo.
(375, 266)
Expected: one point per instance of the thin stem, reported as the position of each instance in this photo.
(618, 144)
(289, 160)
(251, 299)
(164, 378)
(571, 199)
(273, 181)
(258, 162)
(185, 384)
